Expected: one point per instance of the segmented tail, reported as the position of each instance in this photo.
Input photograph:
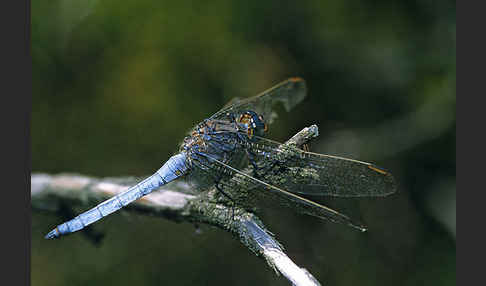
(171, 170)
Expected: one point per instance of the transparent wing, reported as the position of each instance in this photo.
(310, 173)
(279, 195)
(233, 101)
(289, 93)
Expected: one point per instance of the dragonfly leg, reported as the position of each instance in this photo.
(305, 147)
(256, 169)
(233, 203)
(251, 158)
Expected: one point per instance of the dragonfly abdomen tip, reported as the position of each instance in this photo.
(52, 234)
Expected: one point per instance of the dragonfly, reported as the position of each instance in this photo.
(220, 146)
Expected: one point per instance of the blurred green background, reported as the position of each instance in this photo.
(118, 84)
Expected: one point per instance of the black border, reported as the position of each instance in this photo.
(15, 118)
(470, 191)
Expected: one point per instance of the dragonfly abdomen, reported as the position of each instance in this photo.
(171, 170)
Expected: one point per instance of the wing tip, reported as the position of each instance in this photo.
(378, 169)
(296, 79)
(389, 179)
(359, 227)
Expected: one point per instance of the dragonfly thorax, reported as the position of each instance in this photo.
(219, 138)
(205, 134)
(243, 126)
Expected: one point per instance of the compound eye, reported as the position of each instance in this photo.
(245, 118)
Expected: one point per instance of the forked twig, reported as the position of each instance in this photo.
(176, 201)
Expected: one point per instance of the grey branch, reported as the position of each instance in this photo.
(176, 201)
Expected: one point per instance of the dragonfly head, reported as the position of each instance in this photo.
(254, 122)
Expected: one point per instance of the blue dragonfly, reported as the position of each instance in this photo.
(217, 148)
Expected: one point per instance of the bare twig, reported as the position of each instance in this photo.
(176, 201)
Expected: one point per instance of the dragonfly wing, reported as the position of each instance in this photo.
(318, 174)
(284, 197)
(233, 101)
(310, 173)
(289, 93)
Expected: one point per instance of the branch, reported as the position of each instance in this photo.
(176, 201)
